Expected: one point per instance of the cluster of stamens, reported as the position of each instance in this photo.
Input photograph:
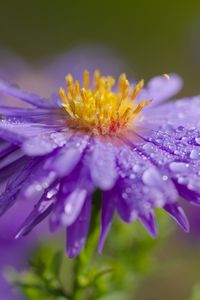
(96, 107)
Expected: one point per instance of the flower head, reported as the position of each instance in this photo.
(100, 110)
(97, 136)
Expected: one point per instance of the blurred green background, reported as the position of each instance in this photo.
(151, 37)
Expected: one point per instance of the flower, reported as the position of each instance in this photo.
(140, 153)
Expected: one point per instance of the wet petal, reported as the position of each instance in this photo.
(78, 231)
(44, 143)
(178, 214)
(184, 112)
(102, 165)
(68, 208)
(66, 158)
(41, 210)
(149, 222)
(15, 183)
(107, 213)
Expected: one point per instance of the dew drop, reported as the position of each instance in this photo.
(194, 154)
(178, 167)
(68, 208)
(132, 176)
(197, 140)
(182, 180)
(124, 196)
(151, 177)
(136, 168)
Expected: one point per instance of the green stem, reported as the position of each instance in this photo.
(83, 262)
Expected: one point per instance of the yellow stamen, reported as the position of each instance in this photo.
(99, 109)
(137, 89)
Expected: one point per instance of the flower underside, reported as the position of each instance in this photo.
(99, 108)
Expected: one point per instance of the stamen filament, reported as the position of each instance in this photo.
(98, 108)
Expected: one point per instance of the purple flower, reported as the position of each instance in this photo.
(119, 139)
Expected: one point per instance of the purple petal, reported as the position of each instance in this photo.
(44, 143)
(12, 90)
(149, 222)
(162, 88)
(78, 231)
(41, 210)
(102, 166)
(65, 159)
(107, 213)
(37, 183)
(10, 136)
(176, 152)
(68, 208)
(178, 214)
(11, 158)
(126, 210)
(184, 112)
(8, 197)
(6, 148)
(141, 185)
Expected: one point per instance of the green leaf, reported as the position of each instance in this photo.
(56, 263)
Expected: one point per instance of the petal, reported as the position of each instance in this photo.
(44, 143)
(107, 213)
(65, 159)
(142, 185)
(184, 112)
(8, 197)
(177, 153)
(11, 90)
(102, 165)
(149, 222)
(68, 208)
(37, 183)
(41, 210)
(178, 214)
(11, 136)
(78, 231)
(6, 148)
(11, 158)
(162, 88)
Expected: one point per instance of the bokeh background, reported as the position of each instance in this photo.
(147, 38)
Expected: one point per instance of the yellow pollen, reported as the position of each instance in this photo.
(99, 108)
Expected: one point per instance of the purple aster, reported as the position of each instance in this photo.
(142, 154)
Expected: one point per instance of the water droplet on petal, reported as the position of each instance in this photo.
(194, 154)
(197, 140)
(152, 177)
(178, 167)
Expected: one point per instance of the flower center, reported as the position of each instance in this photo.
(101, 107)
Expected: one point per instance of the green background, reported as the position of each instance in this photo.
(153, 37)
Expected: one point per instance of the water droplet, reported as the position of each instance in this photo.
(178, 167)
(148, 147)
(124, 196)
(38, 187)
(132, 176)
(197, 140)
(68, 208)
(136, 168)
(152, 177)
(194, 154)
(182, 180)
